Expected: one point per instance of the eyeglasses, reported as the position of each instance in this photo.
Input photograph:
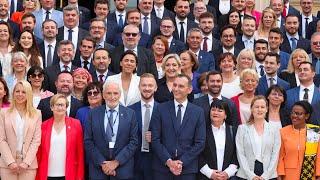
(36, 76)
(315, 43)
(60, 105)
(297, 113)
(93, 93)
(131, 34)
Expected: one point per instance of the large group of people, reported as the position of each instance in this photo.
(204, 90)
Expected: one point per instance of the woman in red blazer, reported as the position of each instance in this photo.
(64, 159)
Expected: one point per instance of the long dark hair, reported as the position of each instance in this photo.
(33, 50)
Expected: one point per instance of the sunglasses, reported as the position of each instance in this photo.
(131, 34)
(93, 93)
(315, 43)
(36, 75)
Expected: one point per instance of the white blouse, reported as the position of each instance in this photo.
(57, 154)
(20, 122)
(232, 88)
(257, 145)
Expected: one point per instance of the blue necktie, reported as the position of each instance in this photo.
(12, 7)
(145, 25)
(70, 34)
(293, 43)
(179, 115)
(120, 21)
(109, 129)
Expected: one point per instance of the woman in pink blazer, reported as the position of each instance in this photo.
(60, 154)
(20, 135)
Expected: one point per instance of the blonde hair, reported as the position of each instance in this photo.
(169, 56)
(250, 53)
(256, 98)
(261, 27)
(55, 98)
(251, 72)
(18, 55)
(30, 110)
(290, 67)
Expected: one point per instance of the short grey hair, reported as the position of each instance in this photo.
(71, 7)
(194, 30)
(108, 83)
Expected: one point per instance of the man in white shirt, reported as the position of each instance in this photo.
(160, 11)
(207, 26)
(306, 18)
(119, 15)
(247, 39)
(260, 52)
(149, 22)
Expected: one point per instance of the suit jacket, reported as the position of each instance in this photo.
(210, 9)
(184, 143)
(263, 85)
(206, 62)
(15, 28)
(74, 149)
(8, 143)
(302, 43)
(44, 106)
(95, 75)
(314, 19)
(246, 154)
(96, 142)
(166, 13)
(112, 18)
(85, 14)
(133, 94)
(55, 59)
(155, 26)
(315, 103)
(81, 34)
(57, 16)
(145, 40)
(240, 44)
(204, 103)
(312, 27)
(209, 154)
(146, 62)
(216, 53)
(142, 160)
(177, 46)
(284, 59)
(51, 74)
(77, 62)
(293, 10)
(190, 24)
(291, 79)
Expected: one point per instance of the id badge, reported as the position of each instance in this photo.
(111, 145)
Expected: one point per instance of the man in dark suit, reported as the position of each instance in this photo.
(238, 5)
(48, 47)
(66, 53)
(178, 134)
(182, 23)
(278, 7)
(64, 85)
(313, 27)
(271, 64)
(87, 45)
(134, 17)
(246, 40)
(15, 5)
(205, 59)
(291, 39)
(84, 13)
(275, 39)
(110, 137)
(228, 40)
(261, 48)
(209, 31)
(306, 91)
(70, 30)
(160, 11)
(4, 16)
(130, 37)
(214, 82)
(289, 9)
(167, 28)
(98, 30)
(305, 18)
(119, 15)
(315, 51)
(144, 110)
(199, 7)
(149, 23)
(101, 61)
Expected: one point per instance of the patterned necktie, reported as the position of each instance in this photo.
(306, 96)
(205, 44)
(47, 15)
(261, 70)
(293, 44)
(145, 25)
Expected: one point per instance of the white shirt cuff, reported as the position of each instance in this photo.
(205, 170)
(231, 170)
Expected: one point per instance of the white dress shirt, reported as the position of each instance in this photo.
(275, 80)
(303, 19)
(105, 74)
(224, 6)
(219, 135)
(257, 147)
(296, 36)
(184, 26)
(159, 11)
(209, 42)
(258, 69)
(89, 61)
(169, 41)
(211, 98)
(310, 92)
(57, 153)
(183, 108)
(20, 122)
(74, 35)
(123, 16)
(224, 50)
(248, 42)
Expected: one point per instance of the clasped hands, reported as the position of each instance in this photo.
(18, 168)
(219, 175)
(109, 167)
(175, 166)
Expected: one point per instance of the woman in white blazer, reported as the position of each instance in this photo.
(127, 79)
(258, 144)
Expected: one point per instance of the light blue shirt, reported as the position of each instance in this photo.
(115, 121)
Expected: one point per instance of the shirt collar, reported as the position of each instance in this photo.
(61, 65)
(134, 49)
(210, 97)
(294, 36)
(75, 29)
(82, 60)
(123, 13)
(53, 43)
(105, 73)
(309, 87)
(184, 103)
(221, 128)
(156, 7)
(116, 109)
(151, 103)
(178, 21)
(310, 17)
(225, 50)
(244, 38)
(274, 77)
(209, 36)
(44, 11)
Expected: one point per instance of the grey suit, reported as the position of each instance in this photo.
(246, 154)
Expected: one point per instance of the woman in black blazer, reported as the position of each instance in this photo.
(219, 159)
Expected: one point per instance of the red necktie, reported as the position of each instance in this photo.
(205, 44)
(284, 12)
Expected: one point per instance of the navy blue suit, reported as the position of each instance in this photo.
(314, 19)
(95, 75)
(96, 142)
(284, 59)
(145, 40)
(155, 25)
(15, 28)
(293, 95)
(263, 85)
(190, 24)
(55, 59)
(177, 46)
(206, 62)
(204, 103)
(142, 160)
(301, 43)
(166, 13)
(184, 142)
